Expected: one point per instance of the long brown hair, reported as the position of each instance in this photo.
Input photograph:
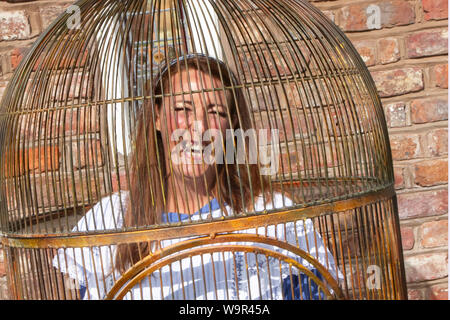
(148, 187)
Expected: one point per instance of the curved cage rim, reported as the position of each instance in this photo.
(79, 240)
(172, 254)
(212, 249)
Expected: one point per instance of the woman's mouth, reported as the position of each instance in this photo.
(192, 151)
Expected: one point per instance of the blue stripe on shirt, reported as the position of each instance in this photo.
(307, 294)
(173, 217)
(82, 291)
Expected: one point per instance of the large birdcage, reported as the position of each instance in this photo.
(197, 149)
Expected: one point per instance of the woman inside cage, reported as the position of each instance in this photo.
(182, 170)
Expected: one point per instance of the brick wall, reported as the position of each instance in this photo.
(404, 44)
(21, 22)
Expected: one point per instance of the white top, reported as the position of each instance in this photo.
(199, 277)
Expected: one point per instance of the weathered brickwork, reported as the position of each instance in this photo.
(403, 43)
(405, 46)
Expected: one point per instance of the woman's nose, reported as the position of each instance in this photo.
(199, 119)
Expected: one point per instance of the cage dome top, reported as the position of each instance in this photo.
(92, 110)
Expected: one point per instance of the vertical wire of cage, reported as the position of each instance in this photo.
(197, 149)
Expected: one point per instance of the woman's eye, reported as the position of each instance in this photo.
(219, 112)
(181, 109)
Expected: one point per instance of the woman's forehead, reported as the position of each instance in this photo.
(194, 80)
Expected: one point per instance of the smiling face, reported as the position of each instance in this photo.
(184, 118)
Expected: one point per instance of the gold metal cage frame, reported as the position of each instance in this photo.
(68, 124)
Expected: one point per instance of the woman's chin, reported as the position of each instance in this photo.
(195, 171)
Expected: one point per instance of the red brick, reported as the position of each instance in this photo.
(80, 120)
(256, 29)
(4, 291)
(302, 96)
(435, 9)
(305, 95)
(17, 55)
(427, 43)
(71, 86)
(431, 172)
(354, 18)
(429, 110)
(367, 50)
(437, 142)
(415, 294)
(77, 185)
(43, 158)
(36, 159)
(439, 292)
(399, 81)
(67, 57)
(14, 25)
(119, 183)
(330, 15)
(404, 146)
(314, 159)
(260, 99)
(396, 114)
(3, 85)
(397, 13)
(360, 17)
(427, 266)
(2, 263)
(58, 122)
(440, 74)
(85, 154)
(286, 130)
(290, 163)
(5, 62)
(399, 180)
(434, 234)
(388, 50)
(422, 204)
(407, 234)
(49, 14)
(350, 242)
(278, 62)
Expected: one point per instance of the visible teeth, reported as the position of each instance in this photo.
(194, 148)
(197, 148)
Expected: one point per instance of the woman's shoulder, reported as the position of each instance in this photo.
(275, 200)
(106, 214)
